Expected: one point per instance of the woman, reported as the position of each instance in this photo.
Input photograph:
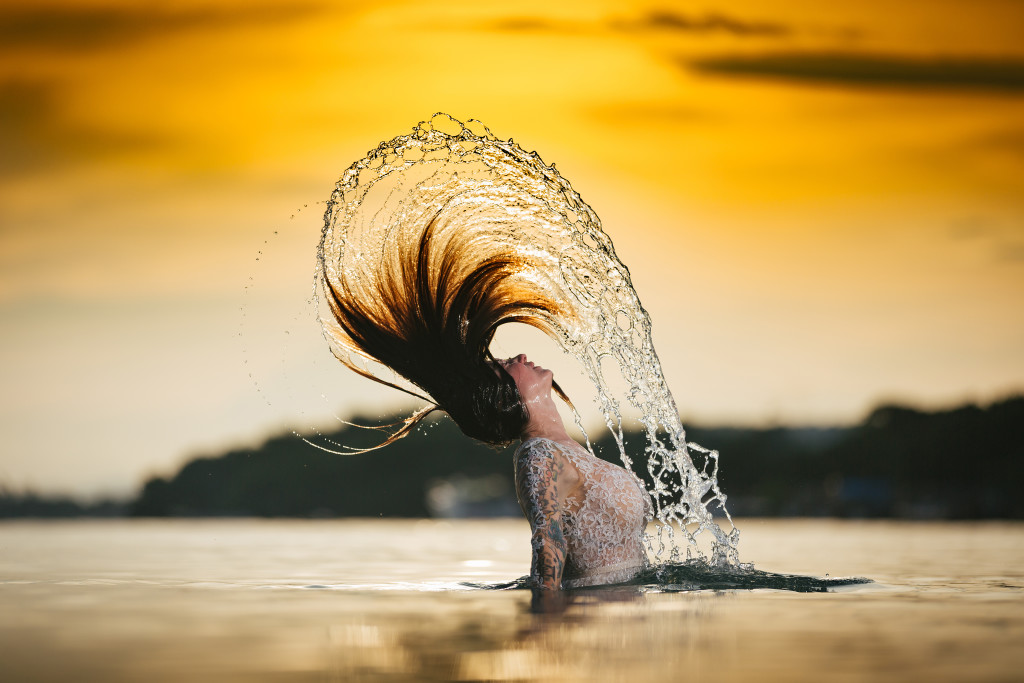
(429, 310)
(437, 238)
(587, 515)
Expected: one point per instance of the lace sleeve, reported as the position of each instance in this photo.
(538, 467)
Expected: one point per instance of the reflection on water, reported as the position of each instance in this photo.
(305, 600)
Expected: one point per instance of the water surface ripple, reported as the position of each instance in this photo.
(365, 600)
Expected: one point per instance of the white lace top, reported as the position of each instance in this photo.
(600, 514)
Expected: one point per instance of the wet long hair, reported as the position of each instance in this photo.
(430, 315)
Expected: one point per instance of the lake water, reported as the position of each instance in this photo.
(357, 600)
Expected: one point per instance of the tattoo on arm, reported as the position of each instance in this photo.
(537, 484)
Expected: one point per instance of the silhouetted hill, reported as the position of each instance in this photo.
(29, 504)
(960, 464)
(964, 463)
(288, 477)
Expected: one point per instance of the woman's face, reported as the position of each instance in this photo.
(533, 381)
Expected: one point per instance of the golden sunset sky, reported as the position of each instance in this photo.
(822, 206)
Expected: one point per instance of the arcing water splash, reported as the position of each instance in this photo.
(492, 195)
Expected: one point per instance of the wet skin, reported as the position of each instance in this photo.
(542, 502)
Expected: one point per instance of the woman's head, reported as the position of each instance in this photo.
(430, 314)
(486, 405)
(533, 382)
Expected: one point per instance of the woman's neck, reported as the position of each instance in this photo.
(544, 423)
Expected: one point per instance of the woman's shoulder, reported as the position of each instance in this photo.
(540, 444)
(542, 452)
(537, 449)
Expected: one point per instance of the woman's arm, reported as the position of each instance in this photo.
(537, 486)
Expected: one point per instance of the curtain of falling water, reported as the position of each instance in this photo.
(508, 200)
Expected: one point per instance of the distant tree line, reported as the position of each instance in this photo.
(287, 477)
(964, 463)
(31, 504)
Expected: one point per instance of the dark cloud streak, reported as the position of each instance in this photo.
(661, 20)
(708, 23)
(533, 24)
(78, 29)
(868, 70)
(34, 136)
